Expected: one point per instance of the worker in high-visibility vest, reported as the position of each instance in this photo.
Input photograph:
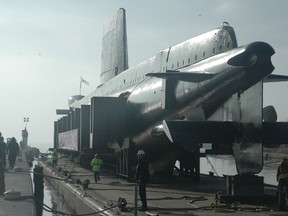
(55, 158)
(96, 164)
(282, 175)
(282, 178)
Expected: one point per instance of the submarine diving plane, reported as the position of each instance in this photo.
(206, 89)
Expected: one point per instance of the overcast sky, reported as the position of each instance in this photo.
(45, 46)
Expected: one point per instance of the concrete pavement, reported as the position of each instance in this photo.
(18, 181)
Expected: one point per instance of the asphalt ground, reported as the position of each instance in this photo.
(178, 197)
(19, 180)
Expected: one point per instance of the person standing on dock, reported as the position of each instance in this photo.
(282, 178)
(55, 157)
(3, 150)
(96, 164)
(142, 177)
(2, 164)
(13, 151)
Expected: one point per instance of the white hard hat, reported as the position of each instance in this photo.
(141, 152)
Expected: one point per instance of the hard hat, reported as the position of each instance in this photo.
(141, 152)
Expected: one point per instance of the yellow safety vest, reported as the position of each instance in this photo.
(55, 156)
(283, 174)
(96, 163)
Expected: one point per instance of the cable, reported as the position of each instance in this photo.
(49, 209)
(57, 178)
(65, 173)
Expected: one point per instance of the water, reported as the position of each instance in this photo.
(226, 166)
(54, 201)
(43, 147)
(51, 199)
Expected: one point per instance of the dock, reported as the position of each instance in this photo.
(18, 179)
(176, 197)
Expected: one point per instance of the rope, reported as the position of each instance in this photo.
(49, 209)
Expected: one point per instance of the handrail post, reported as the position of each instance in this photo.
(136, 201)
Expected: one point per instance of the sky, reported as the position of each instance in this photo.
(47, 45)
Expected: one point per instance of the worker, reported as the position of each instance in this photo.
(142, 177)
(2, 164)
(96, 164)
(3, 147)
(13, 151)
(282, 178)
(55, 157)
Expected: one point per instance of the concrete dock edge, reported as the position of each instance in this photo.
(75, 196)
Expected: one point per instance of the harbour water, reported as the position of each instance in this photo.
(226, 166)
(51, 199)
(54, 201)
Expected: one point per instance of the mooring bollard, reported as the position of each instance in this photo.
(136, 201)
